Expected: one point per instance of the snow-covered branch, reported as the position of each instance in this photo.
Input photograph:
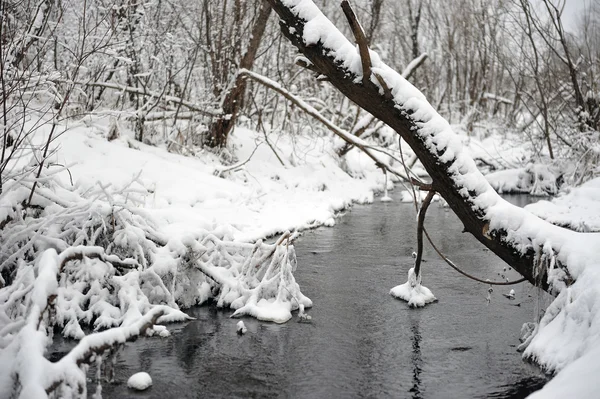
(377, 154)
(197, 108)
(413, 66)
(95, 259)
(561, 261)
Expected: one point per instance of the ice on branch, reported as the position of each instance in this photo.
(413, 292)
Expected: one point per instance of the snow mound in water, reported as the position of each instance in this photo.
(140, 381)
(413, 292)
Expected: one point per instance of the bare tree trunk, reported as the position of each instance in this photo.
(221, 127)
(375, 17)
(414, 28)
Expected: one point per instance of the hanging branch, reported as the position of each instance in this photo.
(508, 231)
(370, 151)
(420, 228)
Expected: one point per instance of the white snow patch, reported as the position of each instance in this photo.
(241, 327)
(140, 381)
(413, 292)
(578, 380)
(534, 179)
(577, 209)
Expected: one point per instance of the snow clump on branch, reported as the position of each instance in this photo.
(413, 292)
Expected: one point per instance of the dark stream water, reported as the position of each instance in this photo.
(361, 342)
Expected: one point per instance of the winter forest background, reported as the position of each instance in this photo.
(127, 196)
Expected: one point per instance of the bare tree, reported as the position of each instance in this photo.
(233, 97)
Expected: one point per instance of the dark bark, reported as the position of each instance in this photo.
(405, 124)
(221, 127)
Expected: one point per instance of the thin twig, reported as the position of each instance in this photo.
(452, 265)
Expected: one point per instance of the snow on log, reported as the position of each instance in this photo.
(512, 233)
(561, 261)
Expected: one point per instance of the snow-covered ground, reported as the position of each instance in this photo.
(259, 199)
(577, 208)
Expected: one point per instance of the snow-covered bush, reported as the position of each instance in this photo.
(77, 259)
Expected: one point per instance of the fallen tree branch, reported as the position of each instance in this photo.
(344, 135)
(142, 92)
(97, 344)
(510, 232)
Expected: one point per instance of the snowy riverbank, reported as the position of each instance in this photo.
(258, 199)
(176, 203)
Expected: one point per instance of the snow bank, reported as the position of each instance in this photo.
(578, 380)
(131, 234)
(259, 199)
(534, 179)
(576, 209)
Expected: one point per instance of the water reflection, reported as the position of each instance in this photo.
(519, 389)
(416, 358)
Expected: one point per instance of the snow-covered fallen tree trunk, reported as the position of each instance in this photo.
(513, 234)
(561, 261)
